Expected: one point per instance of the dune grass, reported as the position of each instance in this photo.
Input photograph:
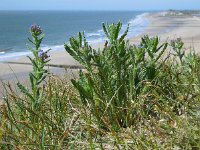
(142, 96)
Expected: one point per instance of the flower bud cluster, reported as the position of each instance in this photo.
(43, 55)
(36, 30)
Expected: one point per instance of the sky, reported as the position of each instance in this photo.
(98, 4)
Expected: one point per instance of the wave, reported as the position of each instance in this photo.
(138, 25)
(5, 56)
(93, 34)
(13, 55)
(2, 52)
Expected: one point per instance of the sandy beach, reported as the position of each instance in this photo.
(167, 25)
(171, 25)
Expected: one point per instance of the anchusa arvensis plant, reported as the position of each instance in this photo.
(39, 73)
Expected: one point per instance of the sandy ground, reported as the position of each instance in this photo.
(167, 26)
(170, 26)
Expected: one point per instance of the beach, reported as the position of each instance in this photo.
(171, 25)
(166, 25)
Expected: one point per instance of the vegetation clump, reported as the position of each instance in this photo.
(142, 96)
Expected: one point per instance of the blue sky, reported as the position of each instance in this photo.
(98, 4)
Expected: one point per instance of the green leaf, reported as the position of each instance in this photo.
(155, 44)
(24, 90)
(124, 35)
(105, 30)
(72, 53)
(161, 53)
(41, 79)
(31, 41)
(118, 28)
(32, 78)
(80, 39)
(33, 62)
(81, 90)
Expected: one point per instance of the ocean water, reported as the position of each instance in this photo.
(59, 26)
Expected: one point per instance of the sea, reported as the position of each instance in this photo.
(59, 26)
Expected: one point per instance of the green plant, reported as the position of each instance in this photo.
(38, 62)
(53, 127)
(177, 46)
(39, 72)
(115, 75)
(30, 117)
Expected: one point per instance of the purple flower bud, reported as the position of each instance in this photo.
(43, 55)
(36, 30)
(40, 53)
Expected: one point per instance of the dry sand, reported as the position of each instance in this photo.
(171, 26)
(167, 26)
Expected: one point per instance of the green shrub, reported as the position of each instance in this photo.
(116, 76)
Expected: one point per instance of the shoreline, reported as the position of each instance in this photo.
(166, 25)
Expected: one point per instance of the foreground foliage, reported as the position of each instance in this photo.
(127, 97)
